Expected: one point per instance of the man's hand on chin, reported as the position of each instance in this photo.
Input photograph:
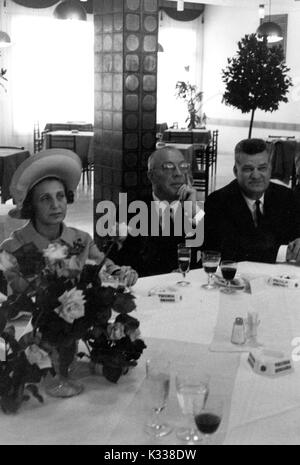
(187, 193)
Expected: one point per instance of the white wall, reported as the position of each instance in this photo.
(223, 28)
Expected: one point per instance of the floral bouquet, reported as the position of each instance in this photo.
(68, 303)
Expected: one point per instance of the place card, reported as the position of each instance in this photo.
(257, 284)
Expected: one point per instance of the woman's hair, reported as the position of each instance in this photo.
(27, 210)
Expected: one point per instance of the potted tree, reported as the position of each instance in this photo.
(256, 77)
(193, 97)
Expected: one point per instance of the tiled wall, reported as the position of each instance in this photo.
(125, 96)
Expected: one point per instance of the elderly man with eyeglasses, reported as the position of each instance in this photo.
(173, 217)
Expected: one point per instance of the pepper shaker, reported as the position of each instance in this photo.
(238, 332)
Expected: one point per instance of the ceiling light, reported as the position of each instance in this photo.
(261, 11)
(70, 9)
(4, 40)
(269, 30)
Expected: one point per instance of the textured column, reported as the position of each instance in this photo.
(125, 96)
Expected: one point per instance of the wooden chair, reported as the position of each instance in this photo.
(201, 175)
(11, 147)
(39, 138)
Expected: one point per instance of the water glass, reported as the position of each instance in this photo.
(190, 387)
(158, 387)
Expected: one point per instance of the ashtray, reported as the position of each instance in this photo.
(270, 362)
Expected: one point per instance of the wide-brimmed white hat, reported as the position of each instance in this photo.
(58, 163)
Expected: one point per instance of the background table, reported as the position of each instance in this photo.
(10, 159)
(257, 409)
(186, 136)
(81, 142)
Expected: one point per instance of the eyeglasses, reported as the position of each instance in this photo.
(170, 167)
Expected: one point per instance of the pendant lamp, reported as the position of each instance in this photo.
(4, 39)
(70, 9)
(270, 30)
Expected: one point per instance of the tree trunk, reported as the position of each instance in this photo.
(251, 123)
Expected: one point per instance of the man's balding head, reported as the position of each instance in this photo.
(165, 183)
(164, 154)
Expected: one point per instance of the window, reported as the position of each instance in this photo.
(52, 71)
(180, 61)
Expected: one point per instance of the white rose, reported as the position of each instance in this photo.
(134, 335)
(55, 252)
(72, 305)
(7, 261)
(36, 355)
(116, 331)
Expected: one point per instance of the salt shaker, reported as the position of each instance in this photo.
(238, 332)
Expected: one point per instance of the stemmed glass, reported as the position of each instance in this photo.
(208, 417)
(184, 262)
(158, 386)
(190, 387)
(228, 269)
(210, 262)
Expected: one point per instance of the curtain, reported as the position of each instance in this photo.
(180, 61)
(50, 71)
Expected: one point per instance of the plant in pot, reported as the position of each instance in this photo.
(193, 97)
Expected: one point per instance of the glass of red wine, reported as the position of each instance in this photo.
(210, 262)
(184, 262)
(208, 417)
(228, 270)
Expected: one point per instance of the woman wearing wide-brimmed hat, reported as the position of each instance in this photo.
(41, 188)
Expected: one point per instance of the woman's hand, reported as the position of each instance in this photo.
(127, 275)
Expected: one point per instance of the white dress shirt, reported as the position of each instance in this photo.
(161, 205)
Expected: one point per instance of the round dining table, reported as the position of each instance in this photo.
(193, 333)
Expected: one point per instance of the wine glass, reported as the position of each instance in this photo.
(158, 386)
(208, 417)
(210, 262)
(190, 387)
(228, 269)
(184, 262)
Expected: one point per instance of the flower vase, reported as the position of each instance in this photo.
(61, 385)
(96, 368)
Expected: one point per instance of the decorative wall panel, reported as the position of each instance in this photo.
(125, 96)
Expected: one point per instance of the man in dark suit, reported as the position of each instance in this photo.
(251, 218)
(156, 251)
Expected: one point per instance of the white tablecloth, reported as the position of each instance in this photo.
(258, 409)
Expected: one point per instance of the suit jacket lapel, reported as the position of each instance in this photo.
(239, 207)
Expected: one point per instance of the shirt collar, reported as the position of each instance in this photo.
(162, 204)
(30, 234)
(251, 202)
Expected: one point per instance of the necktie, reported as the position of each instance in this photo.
(258, 213)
